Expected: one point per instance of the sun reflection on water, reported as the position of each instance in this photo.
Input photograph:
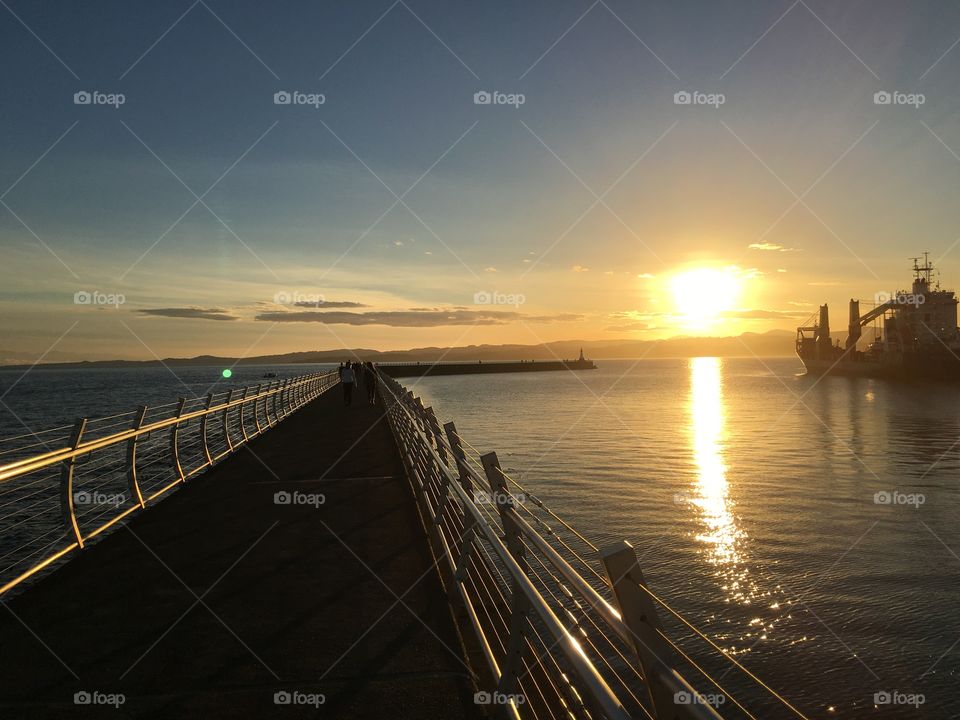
(720, 534)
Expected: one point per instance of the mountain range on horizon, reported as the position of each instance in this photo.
(769, 344)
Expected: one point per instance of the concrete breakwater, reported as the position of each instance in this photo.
(425, 368)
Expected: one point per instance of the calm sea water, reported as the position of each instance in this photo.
(749, 490)
(40, 399)
(750, 493)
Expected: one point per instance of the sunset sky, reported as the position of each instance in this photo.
(599, 208)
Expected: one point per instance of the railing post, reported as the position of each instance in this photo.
(134, 486)
(437, 435)
(66, 484)
(203, 429)
(273, 402)
(243, 406)
(640, 616)
(256, 408)
(226, 421)
(519, 603)
(458, 454)
(174, 445)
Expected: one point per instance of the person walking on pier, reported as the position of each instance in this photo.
(347, 378)
(371, 382)
(358, 373)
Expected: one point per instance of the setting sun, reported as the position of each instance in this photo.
(701, 295)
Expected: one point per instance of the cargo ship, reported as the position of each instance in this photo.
(915, 335)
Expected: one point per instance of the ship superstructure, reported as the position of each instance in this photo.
(915, 334)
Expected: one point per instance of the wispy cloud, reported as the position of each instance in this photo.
(772, 247)
(758, 314)
(190, 313)
(415, 317)
(330, 304)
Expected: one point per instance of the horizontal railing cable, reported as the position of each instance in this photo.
(544, 555)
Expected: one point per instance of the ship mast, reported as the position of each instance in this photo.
(922, 271)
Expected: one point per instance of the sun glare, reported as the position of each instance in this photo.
(701, 295)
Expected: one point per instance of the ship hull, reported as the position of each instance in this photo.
(941, 367)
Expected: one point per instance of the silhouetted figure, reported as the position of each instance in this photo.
(358, 373)
(340, 372)
(371, 380)
(347, 379)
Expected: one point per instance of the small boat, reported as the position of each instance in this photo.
(269, 375)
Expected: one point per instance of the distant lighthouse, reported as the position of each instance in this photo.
(581, 358)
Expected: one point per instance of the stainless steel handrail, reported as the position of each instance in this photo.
(443, 479)
(123, 466)
(38, 462)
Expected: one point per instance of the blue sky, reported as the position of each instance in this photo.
(515, 200)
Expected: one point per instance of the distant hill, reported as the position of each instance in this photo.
(768, 344)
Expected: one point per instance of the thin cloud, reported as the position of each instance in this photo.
(758, 314)
(413, 318)
(190, 313)
(771, 247)
(330, 304)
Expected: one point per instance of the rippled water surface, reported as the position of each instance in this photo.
(749, 490)
(751, 494)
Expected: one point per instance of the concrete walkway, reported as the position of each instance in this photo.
(217, 599)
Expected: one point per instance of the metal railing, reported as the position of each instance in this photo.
(63, 487)
(552, 634)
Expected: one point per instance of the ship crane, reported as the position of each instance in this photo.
(858, 321)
